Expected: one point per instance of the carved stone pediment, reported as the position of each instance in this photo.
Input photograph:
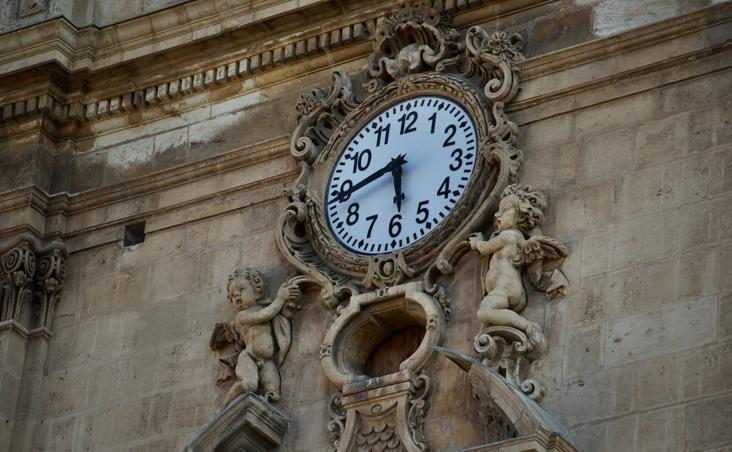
(248, 423)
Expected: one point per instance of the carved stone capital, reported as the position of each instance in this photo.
(26, 266)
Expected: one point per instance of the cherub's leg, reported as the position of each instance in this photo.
(248, 377)
(271, 381)
(494, 310)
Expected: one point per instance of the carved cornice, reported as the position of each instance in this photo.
(66, 205)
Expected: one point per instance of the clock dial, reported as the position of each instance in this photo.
(400, 175)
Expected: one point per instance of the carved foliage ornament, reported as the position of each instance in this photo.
(416, 53)
(28, 267)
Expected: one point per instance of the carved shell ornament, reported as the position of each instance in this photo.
(420, 66)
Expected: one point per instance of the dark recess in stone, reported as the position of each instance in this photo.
(134, 233)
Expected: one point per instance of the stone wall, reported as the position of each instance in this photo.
(632, 147)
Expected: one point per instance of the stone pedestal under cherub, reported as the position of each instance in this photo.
(517, 252)
(261, 332)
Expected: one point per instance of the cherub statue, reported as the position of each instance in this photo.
(261, 331)
(517, 248)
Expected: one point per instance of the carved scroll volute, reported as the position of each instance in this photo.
(415, 38)
(18, 267)
(294, 241)
(319, 115)
(493, 58)
(51, 274)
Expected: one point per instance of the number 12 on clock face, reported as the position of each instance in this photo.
(400, 174)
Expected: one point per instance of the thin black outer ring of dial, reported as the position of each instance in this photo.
(350, 138)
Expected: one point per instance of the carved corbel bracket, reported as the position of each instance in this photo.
(511, 352)
(383, 414)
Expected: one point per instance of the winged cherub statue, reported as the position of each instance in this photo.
(261, 332)
(518, 248)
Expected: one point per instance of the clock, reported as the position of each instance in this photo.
(400, 174)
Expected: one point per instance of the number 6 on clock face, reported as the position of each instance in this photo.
(401, 174)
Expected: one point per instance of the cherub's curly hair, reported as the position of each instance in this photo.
(255, 277)
(531, 205)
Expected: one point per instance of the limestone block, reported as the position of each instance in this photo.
(560, 31)
(637, 240)
(595, 254)
(606, 156)
(662, 140)
(720, 171)
(720, 272)
(598, 396)
(659, 381)
(707, 423)
(706, 371)
(671, 329)
(169, 280)
(656, 283)
(604, 297)
(692, 272)
(584, 210)
(584, 352)
(619, 113)
(725, 316)
(609, 436)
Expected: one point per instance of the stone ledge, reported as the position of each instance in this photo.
(248, 423)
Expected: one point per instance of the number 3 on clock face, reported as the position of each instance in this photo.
(400, 175)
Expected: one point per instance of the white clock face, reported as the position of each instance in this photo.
(400, 175)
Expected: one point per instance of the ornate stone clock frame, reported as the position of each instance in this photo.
(416, 52)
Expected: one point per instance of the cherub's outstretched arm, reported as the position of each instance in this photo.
(487, 247)
(286, 293)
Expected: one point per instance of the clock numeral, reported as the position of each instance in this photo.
(433, 120)
(423, 212)
(395, 227)
(457, 154)
(346, 186)
(403, 120)
(450, 129)
(382, 132)
(444, 189)
(361, 160)
(372, 219)
(352, 217)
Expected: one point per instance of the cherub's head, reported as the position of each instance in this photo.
(520, 208)
(246, 288)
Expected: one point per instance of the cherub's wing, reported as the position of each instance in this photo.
(539, 248)
(222, 335)
(283, 336)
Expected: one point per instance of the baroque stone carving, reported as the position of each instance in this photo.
(261, 332)
(512, 419)
(380, 412)
(415, 51)
(517, 250)
(248, 423)
(384, 414)
(415, 38)
(28, 267)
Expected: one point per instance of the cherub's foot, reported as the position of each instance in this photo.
(536, 338)
(271, 396)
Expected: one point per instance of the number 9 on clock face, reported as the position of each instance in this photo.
(401, 174)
